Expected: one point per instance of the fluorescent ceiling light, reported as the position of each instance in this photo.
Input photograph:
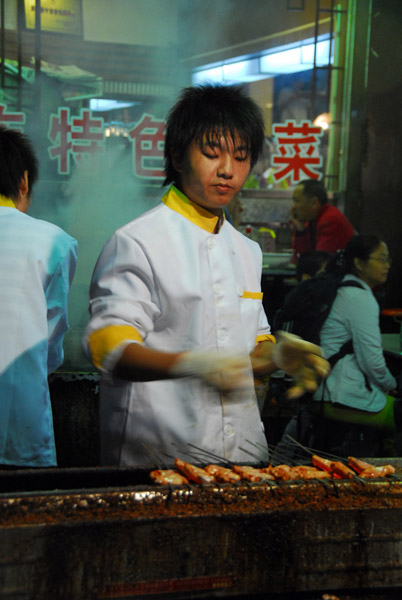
(213, 75)
(103, 105)
(286, 60)
(296, 59)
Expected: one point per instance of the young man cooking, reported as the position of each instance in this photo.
(176, 319)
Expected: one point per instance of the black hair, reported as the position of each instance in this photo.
(314, 187)
(16, 156)
(212, 111)
(359, 246)
(311, 262)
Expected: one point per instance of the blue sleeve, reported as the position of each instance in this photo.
(57, 304)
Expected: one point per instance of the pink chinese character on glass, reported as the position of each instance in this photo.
(14, 120)
(59, 133)
(89, 131)
(298, 150)
(149, 142)
(66, 133)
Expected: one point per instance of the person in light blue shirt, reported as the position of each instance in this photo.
(37, 264)
(360, 388)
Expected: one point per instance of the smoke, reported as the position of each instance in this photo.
(100, 197)
(101, 193)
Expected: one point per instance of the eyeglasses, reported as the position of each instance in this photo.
(382, 259)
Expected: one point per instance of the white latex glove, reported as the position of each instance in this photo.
(302, 360)
(223, 372)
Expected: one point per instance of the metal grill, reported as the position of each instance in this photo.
(111, 533)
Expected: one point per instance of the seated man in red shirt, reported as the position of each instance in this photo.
(318, 225)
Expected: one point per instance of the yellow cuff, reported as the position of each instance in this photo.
(103, 341)
(265, 338)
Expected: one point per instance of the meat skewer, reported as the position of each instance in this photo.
(307, 473)
(336, 467)
(168, 477)
(364, 469)
(322, 468)
(342, 470)
(193, 473)
(304, 472)
(321, 463)
(252, 474)
(222, 474)
(281, 472)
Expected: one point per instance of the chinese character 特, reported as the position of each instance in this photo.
(298, 146)
(14, 120)
(149, 141)
(83, 135)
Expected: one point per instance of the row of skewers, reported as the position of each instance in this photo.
(321, 468)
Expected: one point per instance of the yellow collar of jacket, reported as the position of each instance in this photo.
(198, 215)
(6, 202)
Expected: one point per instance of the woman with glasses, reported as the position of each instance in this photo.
(357, 400)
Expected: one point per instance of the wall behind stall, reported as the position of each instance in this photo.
(234, 27)
(381, 208)
(145, 22)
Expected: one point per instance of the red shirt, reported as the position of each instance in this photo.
(329, 231)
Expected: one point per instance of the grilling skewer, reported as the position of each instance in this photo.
(250, 453)
(360, 469)
(155, 460)
(212, 455)
(162, 474)
(330, 463)
(246, 473)
(322, 467)
(200, 475)
(258, 447)
(223, 473)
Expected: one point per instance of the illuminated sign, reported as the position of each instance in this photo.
(297, 151)
(59, 16)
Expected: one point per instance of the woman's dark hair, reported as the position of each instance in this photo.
(212, 111)
(16, 156)
(359, 246)
(311, 262)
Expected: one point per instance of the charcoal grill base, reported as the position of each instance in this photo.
(187, 542)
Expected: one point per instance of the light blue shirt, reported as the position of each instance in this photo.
(37, 264)
(355, 315)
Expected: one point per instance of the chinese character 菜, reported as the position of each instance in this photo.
(297, 150)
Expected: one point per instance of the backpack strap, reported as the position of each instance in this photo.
(347, 348)
(351, 283)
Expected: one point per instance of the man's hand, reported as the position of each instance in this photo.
(298, 225)
(223, 372)
(302, 360)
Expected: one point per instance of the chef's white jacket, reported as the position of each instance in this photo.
(168, 281)
(37, 263)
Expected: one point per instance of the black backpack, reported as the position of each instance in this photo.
(303, 313)
(308, 305)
